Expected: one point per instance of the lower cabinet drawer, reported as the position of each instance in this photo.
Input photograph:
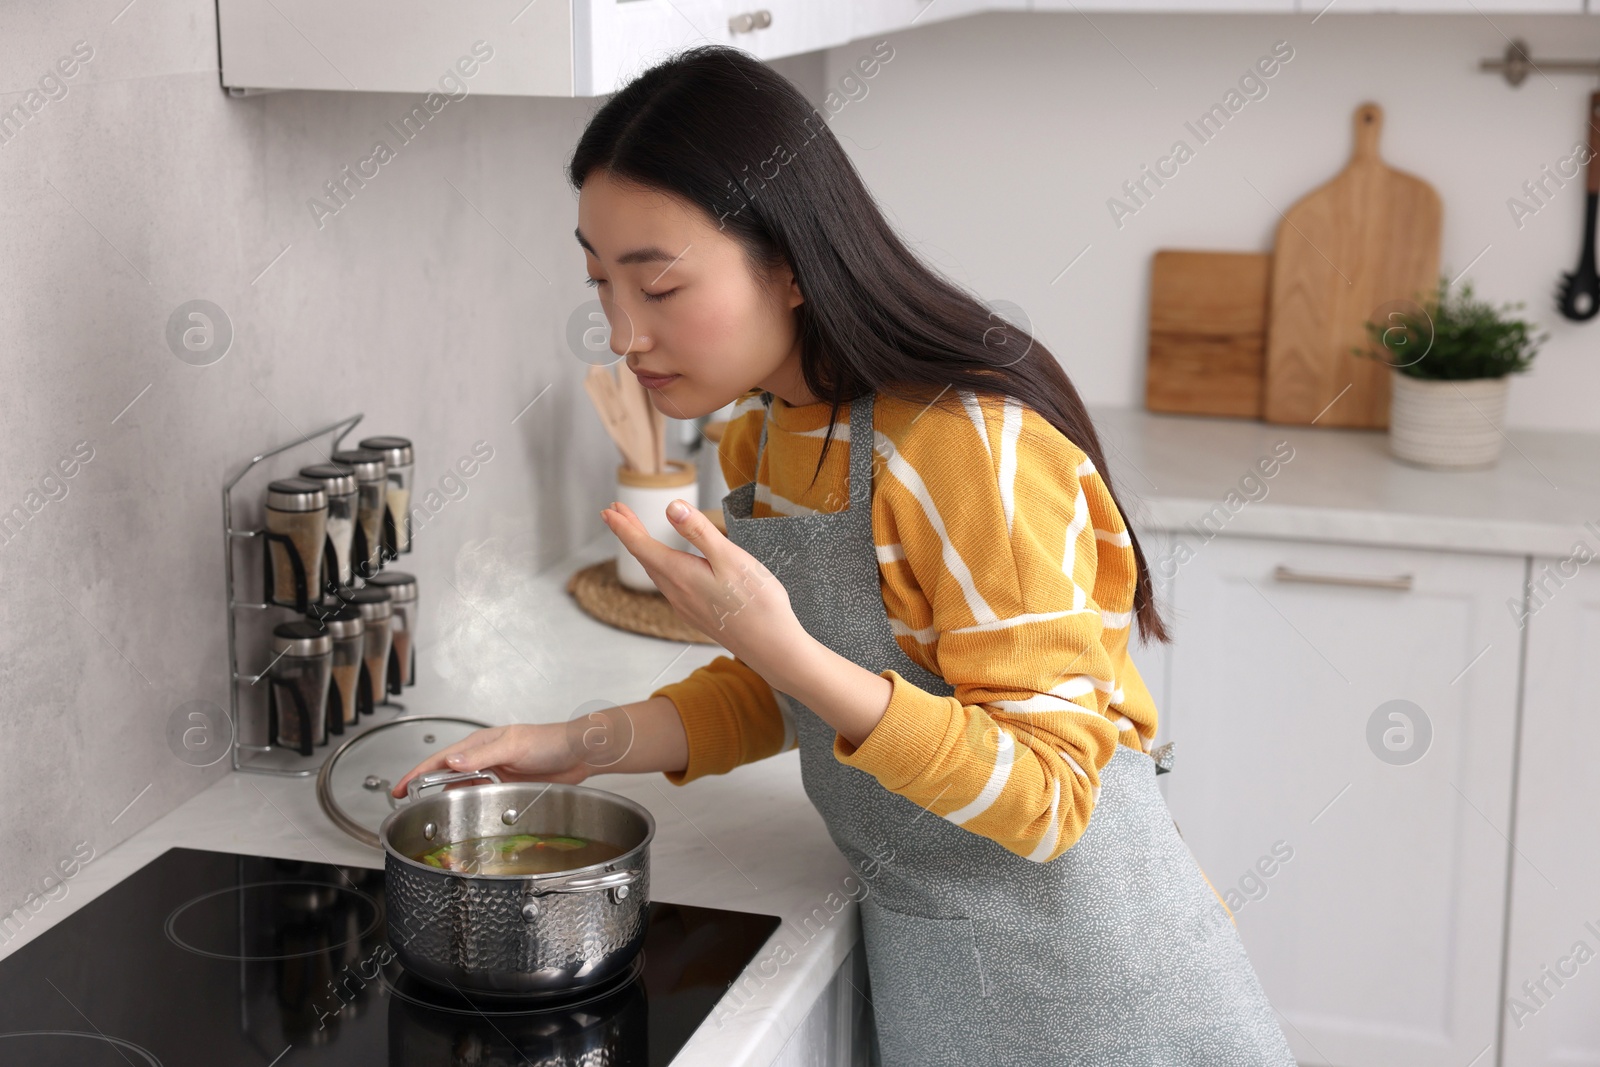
(1344, 719)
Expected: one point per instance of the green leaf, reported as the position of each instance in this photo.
(566, 844)
(1454, 338)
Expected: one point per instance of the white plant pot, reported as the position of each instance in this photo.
(1445, 424)
(648, 495)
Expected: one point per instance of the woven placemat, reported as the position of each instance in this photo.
(598, 592)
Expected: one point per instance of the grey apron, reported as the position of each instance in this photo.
(1116, 952)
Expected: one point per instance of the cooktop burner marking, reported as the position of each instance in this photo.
(423, 994)
(172, 920)
(149, 1057)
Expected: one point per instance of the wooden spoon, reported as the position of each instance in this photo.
(658, 435)
(604, 392)
(637, 405)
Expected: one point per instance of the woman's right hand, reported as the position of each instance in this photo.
(523, 752)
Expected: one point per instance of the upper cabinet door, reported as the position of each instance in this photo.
(1345, 722)
(579, 47)
(1552, 980)
(397, 46)
(769, 29)
(617, 39)
(871, 18)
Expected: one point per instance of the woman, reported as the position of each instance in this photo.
(937, 615)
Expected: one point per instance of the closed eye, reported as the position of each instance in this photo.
(649, 296)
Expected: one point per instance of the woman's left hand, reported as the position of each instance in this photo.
(728, 596)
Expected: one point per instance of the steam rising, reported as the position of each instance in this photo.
(494, 632)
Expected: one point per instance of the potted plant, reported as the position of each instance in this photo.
(1452, 363)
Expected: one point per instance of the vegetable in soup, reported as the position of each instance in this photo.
(520, 854)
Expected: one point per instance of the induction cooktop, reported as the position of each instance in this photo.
(208, 958)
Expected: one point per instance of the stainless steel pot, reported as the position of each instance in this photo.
(521, 933)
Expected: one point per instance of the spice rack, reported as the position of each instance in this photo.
(268, 758)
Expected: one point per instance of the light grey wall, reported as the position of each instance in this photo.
(436, 302)
(995, 143)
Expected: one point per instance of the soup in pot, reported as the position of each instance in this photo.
(520, 854)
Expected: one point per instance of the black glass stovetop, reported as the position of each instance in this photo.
(203, 959)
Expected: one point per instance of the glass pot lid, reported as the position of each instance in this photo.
(353, 785)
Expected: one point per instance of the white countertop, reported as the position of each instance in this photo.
(1342, 485)
(749, 840)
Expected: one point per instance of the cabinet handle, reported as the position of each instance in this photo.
(750, 20)
(1401, 582)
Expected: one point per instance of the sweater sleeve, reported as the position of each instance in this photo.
(997, 523)
(730, 714)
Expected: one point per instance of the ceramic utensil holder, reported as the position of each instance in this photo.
(648, 495)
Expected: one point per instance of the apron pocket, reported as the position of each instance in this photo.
(926, 985)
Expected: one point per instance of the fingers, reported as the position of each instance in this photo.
(627, 527)
(443, 759)
(695, 528)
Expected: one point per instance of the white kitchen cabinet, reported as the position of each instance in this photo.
(836, 1032)
(395, 46)
(769, 29)
(613, 41)
(578, 48)
(870, 18)
(1153, 660)
(1552, 1012)
(593, 47)
(1370, 895)
(625, 36)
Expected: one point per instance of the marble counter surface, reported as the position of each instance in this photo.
(1342, 485)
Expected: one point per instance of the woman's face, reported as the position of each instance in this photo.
(681, 298)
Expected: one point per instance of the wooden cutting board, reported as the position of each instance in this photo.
(1365, 239)
(1208, 329)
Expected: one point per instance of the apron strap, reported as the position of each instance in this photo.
(861, 441)
(861, 453)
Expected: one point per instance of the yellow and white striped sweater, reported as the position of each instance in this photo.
(1005, 569)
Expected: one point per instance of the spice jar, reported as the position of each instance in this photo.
(371, 478)
(348, 699)
(297, 703)
(402, 589)
(297, 521)
(339, 482)
(377, 648)
(397, 526)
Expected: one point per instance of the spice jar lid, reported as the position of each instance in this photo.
(338, 620)
(401, 586)
(396, 450)
(296, 494)
(336, 478)
(372, 601)
(368, 465)
(353, 785)
(299, 638)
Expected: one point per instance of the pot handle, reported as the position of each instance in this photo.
(426, 781)
(610, 880)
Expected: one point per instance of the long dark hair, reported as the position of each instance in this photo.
(724, 131)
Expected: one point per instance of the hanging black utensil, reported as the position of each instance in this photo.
(1580, 290)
